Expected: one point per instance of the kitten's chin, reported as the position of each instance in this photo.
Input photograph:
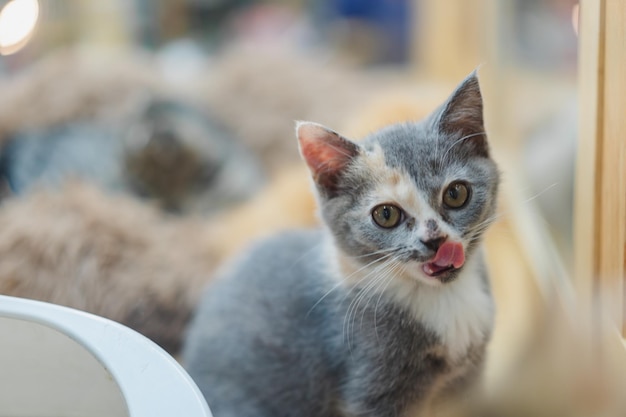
(440, 276)
(435, 271)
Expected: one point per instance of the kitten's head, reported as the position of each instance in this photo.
(416, 196)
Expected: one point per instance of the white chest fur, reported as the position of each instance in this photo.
(460, 313)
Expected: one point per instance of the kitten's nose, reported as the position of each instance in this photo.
(434, 243)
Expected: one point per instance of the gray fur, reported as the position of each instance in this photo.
(279, 334)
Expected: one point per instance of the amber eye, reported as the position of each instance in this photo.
(456, 195)
(387, 215)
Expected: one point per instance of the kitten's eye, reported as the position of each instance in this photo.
(387, 215)
(456, 195)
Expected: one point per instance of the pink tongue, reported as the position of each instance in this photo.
(449, 253)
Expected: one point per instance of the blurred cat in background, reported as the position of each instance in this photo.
(168, 152)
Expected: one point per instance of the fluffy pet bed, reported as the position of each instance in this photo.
(109, 255)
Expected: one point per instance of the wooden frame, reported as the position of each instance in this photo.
(600, 206)
(600, 201)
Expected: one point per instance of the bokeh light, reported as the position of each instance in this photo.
(18, 20)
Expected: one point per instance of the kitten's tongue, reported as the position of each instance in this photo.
(449, 254)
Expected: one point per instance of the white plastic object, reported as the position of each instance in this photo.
(57, 361)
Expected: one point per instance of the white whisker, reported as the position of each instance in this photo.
(380, 282)
(353, 306)
(456, 142)
(483, 225)
(395, 268)
(344, 279)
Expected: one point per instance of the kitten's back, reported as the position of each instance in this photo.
(263, 306)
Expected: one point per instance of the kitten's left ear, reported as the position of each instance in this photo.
(326, 153)
(463, 115)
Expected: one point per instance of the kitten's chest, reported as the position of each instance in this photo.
(460, 314)
(393, 357)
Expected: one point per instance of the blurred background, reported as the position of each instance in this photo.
(142, 142)
(207, 81)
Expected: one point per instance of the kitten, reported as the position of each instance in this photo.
(385, 308)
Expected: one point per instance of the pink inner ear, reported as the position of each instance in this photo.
(321, 156)
(325, 152)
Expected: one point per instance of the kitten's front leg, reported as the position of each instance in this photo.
(362, 401)
(392, 382)
(464, 381)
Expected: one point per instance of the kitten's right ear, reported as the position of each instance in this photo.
(325, 152)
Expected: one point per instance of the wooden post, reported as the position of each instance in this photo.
(453, 37)
(600, 206)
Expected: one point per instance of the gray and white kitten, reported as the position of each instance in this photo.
(385, 308)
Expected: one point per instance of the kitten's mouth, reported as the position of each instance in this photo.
(433, 270)
(449, 256)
